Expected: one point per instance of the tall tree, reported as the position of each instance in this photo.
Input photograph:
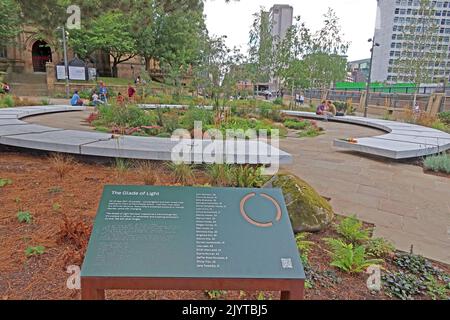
(9, 21)
(111, 33)
(261, 51)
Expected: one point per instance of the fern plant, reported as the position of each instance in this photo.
(24, 216)
(304, 246)
(353, 230)
(349, 257)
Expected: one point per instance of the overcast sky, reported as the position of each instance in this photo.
(234, 19)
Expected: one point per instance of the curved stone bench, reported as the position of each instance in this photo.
(402, 141)
(18, 133)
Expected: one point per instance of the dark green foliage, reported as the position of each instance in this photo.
(349, 257)
(352, 230)
(124, 117)
(379, 247)
(34, 251)
(415, 264)
(297, 124)
(417, 276)
(304, 246)
(445, 117)
(248, 177)
(403, 285)
(193, 114)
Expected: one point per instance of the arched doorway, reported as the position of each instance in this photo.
(41, 54)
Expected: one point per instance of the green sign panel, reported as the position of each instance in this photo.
(177, 232)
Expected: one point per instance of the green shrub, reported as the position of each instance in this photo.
(439, 125)
(24, 216)
(297, 124)
(34, 251)
(436, 290)
(5, 182)
(438, 163)
(124, 116)
(352, 230)
(379, 248)
(350, 258)
(246, 176)
(196, 114)
(182, 173)
(311, 132)
(445, 117)
(220, 175)
(215, 294)
(304, 246)
(7, 102)
(415, 264)
(121, 165)
(402, 285)
(278, 101)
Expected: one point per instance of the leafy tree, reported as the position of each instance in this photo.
(261, 48)
(178, 39)
(9, 20)
(219, 70)
(111, 33)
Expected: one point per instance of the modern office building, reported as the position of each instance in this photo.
(358, 70)
(393, 16)
(281, 18)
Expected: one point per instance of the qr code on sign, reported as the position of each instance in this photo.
(286, 263)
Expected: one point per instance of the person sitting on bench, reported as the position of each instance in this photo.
(76, 100)
(321, 109)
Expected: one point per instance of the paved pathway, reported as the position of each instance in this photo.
(407, 206)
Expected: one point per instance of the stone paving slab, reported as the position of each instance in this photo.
(57, 140)
(161, 149)
(426, 141)
(403, 140)
(388, 148)
(14, 130)
(8, 116)
(9, 122)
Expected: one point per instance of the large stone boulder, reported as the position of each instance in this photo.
(308, 211)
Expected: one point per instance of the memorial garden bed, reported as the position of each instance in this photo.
(49, 204)
(131, 120)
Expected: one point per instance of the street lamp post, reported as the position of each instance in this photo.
(366, 103)
(66, 67)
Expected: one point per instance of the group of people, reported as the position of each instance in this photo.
(327, 109)
(6, 88)
(101, 97)
(299, 99)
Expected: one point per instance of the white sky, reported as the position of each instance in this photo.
(357, 18)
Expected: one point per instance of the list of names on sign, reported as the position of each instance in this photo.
(144, 231)
(209, 242)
